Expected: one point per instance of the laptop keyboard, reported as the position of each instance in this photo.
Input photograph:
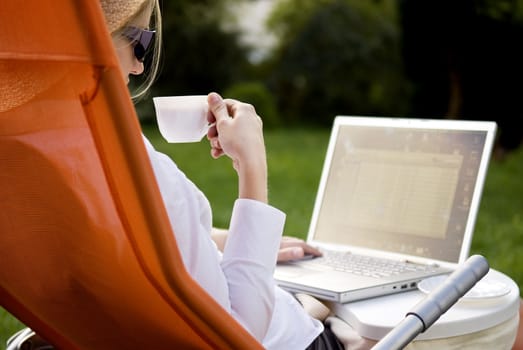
(365, 265)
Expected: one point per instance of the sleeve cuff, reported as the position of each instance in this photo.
(255, 232)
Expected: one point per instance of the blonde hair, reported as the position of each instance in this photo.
(121, 13)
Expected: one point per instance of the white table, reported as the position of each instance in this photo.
(374, 318)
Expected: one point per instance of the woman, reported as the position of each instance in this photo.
(239, 279)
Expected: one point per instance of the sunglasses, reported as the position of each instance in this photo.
(141, 39)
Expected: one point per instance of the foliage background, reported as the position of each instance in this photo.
(427, 59)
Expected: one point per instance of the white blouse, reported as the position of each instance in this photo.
(240, 279)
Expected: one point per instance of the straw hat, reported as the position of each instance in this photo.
(118, 12)
(21, 83)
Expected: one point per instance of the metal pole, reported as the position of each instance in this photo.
(401, 335)
(426, 312)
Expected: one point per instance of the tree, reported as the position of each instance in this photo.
(337, 57)
(199, 54)
(464, 59)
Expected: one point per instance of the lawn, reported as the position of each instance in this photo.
(295, 159)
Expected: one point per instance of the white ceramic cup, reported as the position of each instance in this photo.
(182, 118)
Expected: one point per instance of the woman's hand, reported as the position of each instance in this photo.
(236, 129)
(237, 132)
(292, 248)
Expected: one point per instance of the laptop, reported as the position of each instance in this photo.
(401, 194)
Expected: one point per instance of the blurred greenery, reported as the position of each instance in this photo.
(258, 95)
(464, 61)
(433, 58)
(409, 58)
(337, 57)
(199, 53)
(294, 159)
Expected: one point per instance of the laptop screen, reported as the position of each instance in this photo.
(411, 189)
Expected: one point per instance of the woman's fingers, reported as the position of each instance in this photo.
(217, 112)
(292, 248)
(291, 253)
(218, 107)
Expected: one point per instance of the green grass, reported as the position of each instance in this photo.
(295, 159)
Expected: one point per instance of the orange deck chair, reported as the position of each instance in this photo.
(88, 259)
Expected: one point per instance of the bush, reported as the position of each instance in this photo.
(337, 57)
(260, 97)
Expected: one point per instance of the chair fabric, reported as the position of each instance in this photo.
(88, 259)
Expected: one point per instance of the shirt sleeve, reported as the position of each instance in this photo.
(241, 280)
(249, 259)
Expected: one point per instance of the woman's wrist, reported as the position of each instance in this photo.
(252, 179)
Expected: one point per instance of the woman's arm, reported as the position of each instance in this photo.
(250, 252)
(236, 131)
(291, 248)
(219, 236)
